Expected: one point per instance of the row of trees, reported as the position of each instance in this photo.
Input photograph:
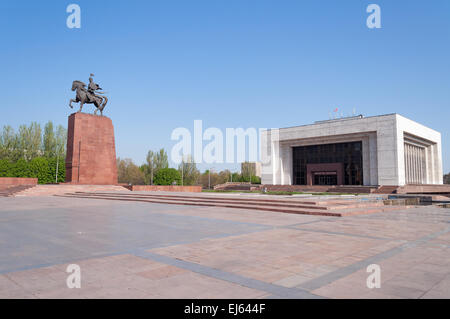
(33, 152)
(211, 178)
(42, 168)
(156, 171)
(130, 173)
(31, 141)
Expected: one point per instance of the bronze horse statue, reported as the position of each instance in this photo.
(83, 96)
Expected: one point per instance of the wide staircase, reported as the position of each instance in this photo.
(12, 190)
(357, 189)
(321, 188)
(59, 189)
(425, 189)
(353, 189)
(386, 190)
(333, 206)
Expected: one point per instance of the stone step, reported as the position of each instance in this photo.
(207, 204)
(49, 190)
(261, 198)
(352, 189)
(252, 201)
(386, 190)
(208, 200)
(12, 190)
(262, 207)
(321, 188)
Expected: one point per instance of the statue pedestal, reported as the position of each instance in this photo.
(91, 151)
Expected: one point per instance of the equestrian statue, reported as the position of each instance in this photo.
(89, 95)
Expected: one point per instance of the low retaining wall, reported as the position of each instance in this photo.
(424, 189)
(163, 188)
(230, 185)
(18, 181)
(320, 188)
(294, 188)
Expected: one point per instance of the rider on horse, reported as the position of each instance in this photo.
(92, 87)
(89, 95)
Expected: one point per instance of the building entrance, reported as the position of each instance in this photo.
(325, 178)
(343, 158)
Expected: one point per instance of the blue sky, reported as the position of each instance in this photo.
(233, 63)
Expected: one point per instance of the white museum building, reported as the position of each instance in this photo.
(377, 150)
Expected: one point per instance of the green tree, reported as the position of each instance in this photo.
(161, 160)
(256, 180)
(151, 167)
(248, 172)
(49, 140)
(23, 143)
(129, 173)
(167, 176)
(155, 162)
(39, 169)
(61, 170)
(21, 153)
(211, 178)
(9, 143)
(42, 168)
(5, 168)
(29, 141)
(189, 172)
(60, 141)
(236, 177)
(20, 168)
(36, 139)
(224, 176)
(145, 170)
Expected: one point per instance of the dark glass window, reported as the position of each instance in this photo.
(325, 179)
(350, 154)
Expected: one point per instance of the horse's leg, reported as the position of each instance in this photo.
(96, 107)
(99, 106)
(81, 106)
(70, 103)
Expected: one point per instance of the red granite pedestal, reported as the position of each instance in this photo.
(91, 151)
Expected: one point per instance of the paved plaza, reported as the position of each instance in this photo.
(131, 249)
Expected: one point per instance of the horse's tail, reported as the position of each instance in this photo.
(105, 100)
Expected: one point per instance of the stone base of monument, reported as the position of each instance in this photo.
(91, 152)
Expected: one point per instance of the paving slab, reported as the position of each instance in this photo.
(150, 250)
